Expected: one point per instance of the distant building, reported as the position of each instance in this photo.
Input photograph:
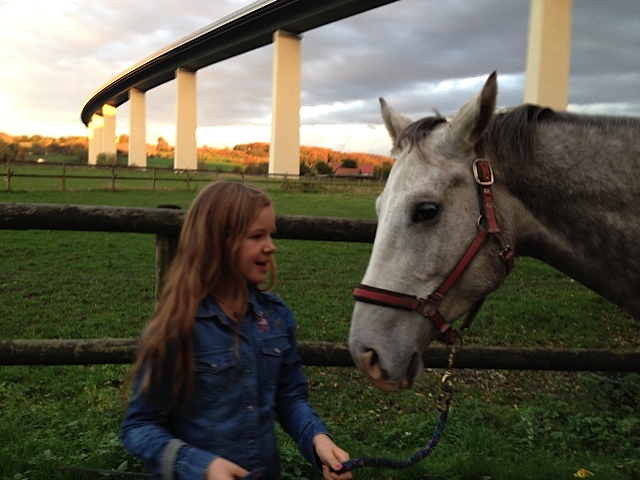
(359, 171)
(367, 170)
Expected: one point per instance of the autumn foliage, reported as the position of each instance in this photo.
(310, 157)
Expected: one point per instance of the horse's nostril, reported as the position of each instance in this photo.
(373, 357)
(370, 363)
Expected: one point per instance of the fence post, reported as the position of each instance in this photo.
(64, 177)
(9, 173)
(113, 178)
(153, 179)
(165, 251)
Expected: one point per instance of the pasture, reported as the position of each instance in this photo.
(57, 420)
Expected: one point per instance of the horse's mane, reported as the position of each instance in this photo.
(417, 131)
(511, 127)
(512, 133)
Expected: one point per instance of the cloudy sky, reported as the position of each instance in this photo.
(418, 54)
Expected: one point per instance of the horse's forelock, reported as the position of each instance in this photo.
(416, 132)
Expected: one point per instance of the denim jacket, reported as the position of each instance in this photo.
(235, 399)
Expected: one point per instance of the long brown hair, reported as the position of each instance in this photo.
(205, 262)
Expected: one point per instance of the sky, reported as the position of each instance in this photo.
(419, 55)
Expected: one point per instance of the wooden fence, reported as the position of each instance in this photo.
(166, 222)
(154, 176)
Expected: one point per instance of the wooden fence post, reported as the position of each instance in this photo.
(153, 179)
(166, 246)
(113, 178)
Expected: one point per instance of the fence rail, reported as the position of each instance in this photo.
(158, 175)
(122, 351)
(166, 222)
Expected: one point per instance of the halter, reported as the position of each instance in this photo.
(428, 307)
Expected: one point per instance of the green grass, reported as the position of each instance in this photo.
(503, 424)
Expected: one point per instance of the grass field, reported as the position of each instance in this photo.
(503, 424)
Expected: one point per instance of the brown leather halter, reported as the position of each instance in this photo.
(487, 224)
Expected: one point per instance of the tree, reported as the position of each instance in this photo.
(257, 168)
(349, 163)
(323, 168)
(163, 148)
(304, 169)
(8, 151)
(382, 171)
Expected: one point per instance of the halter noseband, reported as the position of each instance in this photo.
(487, 224)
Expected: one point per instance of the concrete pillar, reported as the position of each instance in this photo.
(186, 156)
(548, 54)
(109, 134)
(96, 129)
(137, 129)
(284, 153)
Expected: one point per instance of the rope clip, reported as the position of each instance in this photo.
(446, 385)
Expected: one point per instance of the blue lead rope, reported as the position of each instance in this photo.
(444, 401)
(382, 462)
(379, 462)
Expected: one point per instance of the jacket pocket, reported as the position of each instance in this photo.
(273, 351)
(214, 373)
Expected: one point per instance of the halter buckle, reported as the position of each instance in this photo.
(483, 172)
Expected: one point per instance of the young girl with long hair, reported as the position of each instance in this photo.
(218, 363)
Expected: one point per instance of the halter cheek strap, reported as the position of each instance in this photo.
(428, 306)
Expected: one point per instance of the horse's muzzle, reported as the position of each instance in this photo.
(370, 364)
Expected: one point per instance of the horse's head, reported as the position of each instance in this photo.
(428, 215)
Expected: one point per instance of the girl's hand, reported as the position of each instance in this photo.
(223, 469)
(331, 457)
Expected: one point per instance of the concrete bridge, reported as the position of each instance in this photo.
(282, 23)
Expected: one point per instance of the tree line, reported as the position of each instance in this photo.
(21, 148)
(251, 158)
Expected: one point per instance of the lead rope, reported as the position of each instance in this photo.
(444, 400)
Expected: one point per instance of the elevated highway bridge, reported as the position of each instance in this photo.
(282, 22)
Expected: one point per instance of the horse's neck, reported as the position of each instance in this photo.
(579, 208)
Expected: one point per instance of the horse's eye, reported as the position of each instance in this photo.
(425, 212)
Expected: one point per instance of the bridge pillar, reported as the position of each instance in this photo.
(548, 54)
(96, 129)
(186, 154)
(109, 132)
(137, 129)
(284, 152)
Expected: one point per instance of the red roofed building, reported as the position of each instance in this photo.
(359, 171)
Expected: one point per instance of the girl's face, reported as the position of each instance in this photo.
(257, 247)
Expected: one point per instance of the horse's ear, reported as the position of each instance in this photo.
(470, 122)
(394, 121)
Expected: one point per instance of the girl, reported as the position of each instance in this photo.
(218, 363)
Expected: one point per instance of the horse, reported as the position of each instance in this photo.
(468, 194)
